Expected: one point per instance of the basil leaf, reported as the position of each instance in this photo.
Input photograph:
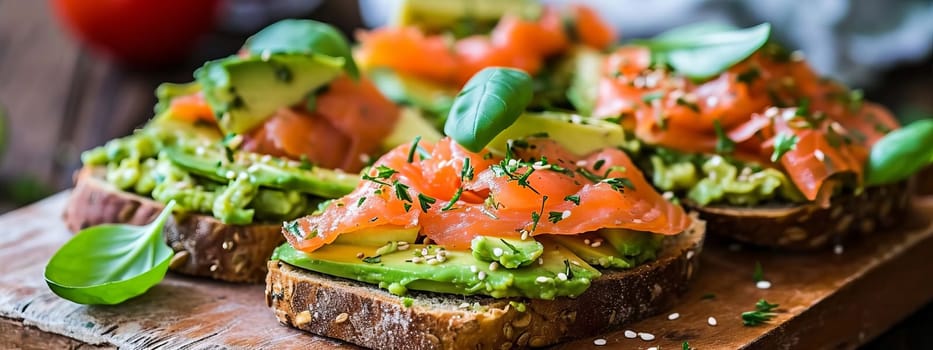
(901, 153)
(302, 36)
(490, 102)
(108, 264)
(704, 50)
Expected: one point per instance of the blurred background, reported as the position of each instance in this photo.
(76, 73)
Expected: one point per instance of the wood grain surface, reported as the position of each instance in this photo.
(827, 300)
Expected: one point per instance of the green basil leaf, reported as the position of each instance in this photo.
(704, 50)
(490, 102)
(302, 36)
(108, 264)
(901, 153)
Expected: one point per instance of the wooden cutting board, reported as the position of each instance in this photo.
(827, 300)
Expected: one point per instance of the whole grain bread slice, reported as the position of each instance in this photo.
(366, 315)
(203, 245)
(810, 226)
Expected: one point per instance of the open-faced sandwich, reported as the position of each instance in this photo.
(752, 137)
(258, 138)
(433, 47)
(520, 229)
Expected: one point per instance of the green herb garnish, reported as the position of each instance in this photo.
(763, 313)
(425, 202)
(573, 198)
(108, 264)
(724, 144)
(414, 147)
(302, 36)
(758, 274)
(489, 102)
(704, 50)
(555, 216)
(783, 143)
(373, 259)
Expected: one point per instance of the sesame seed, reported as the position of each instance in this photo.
(668, 195)
(819, 155)
(265, 158)
(464, 305)
(562, 276)
(542, 279)
(586, 241)
(417, 260)
(253, 168)
(711, 321)
(630, 334)
(403, 246)
(599, 342)
(712, 101)
(565, 214)
(838, 249)
(763, 284)
(581, 163)
(230, 174)
(199, 151)
(242, 176)
(497, 251)
(690, 254)
(441, 258)
(473, 269)
(646, 336)
(481, 276)
(365, 158)
(360, 255)
(341, 318)
(653, 348)
(673, 316)
(596, 244)
(524, 234)
(540, 261)
(576, 119)
(493, 266)
(424, 251)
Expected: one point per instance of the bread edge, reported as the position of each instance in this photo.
(809, 226)
(368, 316)
(203, 245)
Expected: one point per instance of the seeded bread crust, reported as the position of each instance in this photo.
(368, 316)
(203, 245)
(810, 227)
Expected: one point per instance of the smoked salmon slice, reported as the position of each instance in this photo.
(454, 195)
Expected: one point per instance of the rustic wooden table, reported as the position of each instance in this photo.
(60, 100)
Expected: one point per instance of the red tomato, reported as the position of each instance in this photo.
(138, 32)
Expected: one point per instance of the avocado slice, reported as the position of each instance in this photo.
(632, 243)
(435, 15)
(244, 92)
(378, 236)
(165, 92)
(400, 88)
(603, 255)
(582, 93)
(559, 273)
(411, 124)
(510, 253)
(578, 134)
(302, 36)
(275, 173)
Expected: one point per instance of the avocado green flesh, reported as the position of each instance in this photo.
(463, 17)
(456, 275)
(583, 86)
(433, 98)
(374, 237)
(316, 181)
(510, 253)
(411, 124)
(244, 92)
(147, 163)
(578, 134)
(713, 179)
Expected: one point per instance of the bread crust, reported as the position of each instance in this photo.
(203, 245)
(809, 226)
(365, 315)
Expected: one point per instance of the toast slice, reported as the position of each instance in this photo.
(203, 245)
(809, 226)
(365, 315)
